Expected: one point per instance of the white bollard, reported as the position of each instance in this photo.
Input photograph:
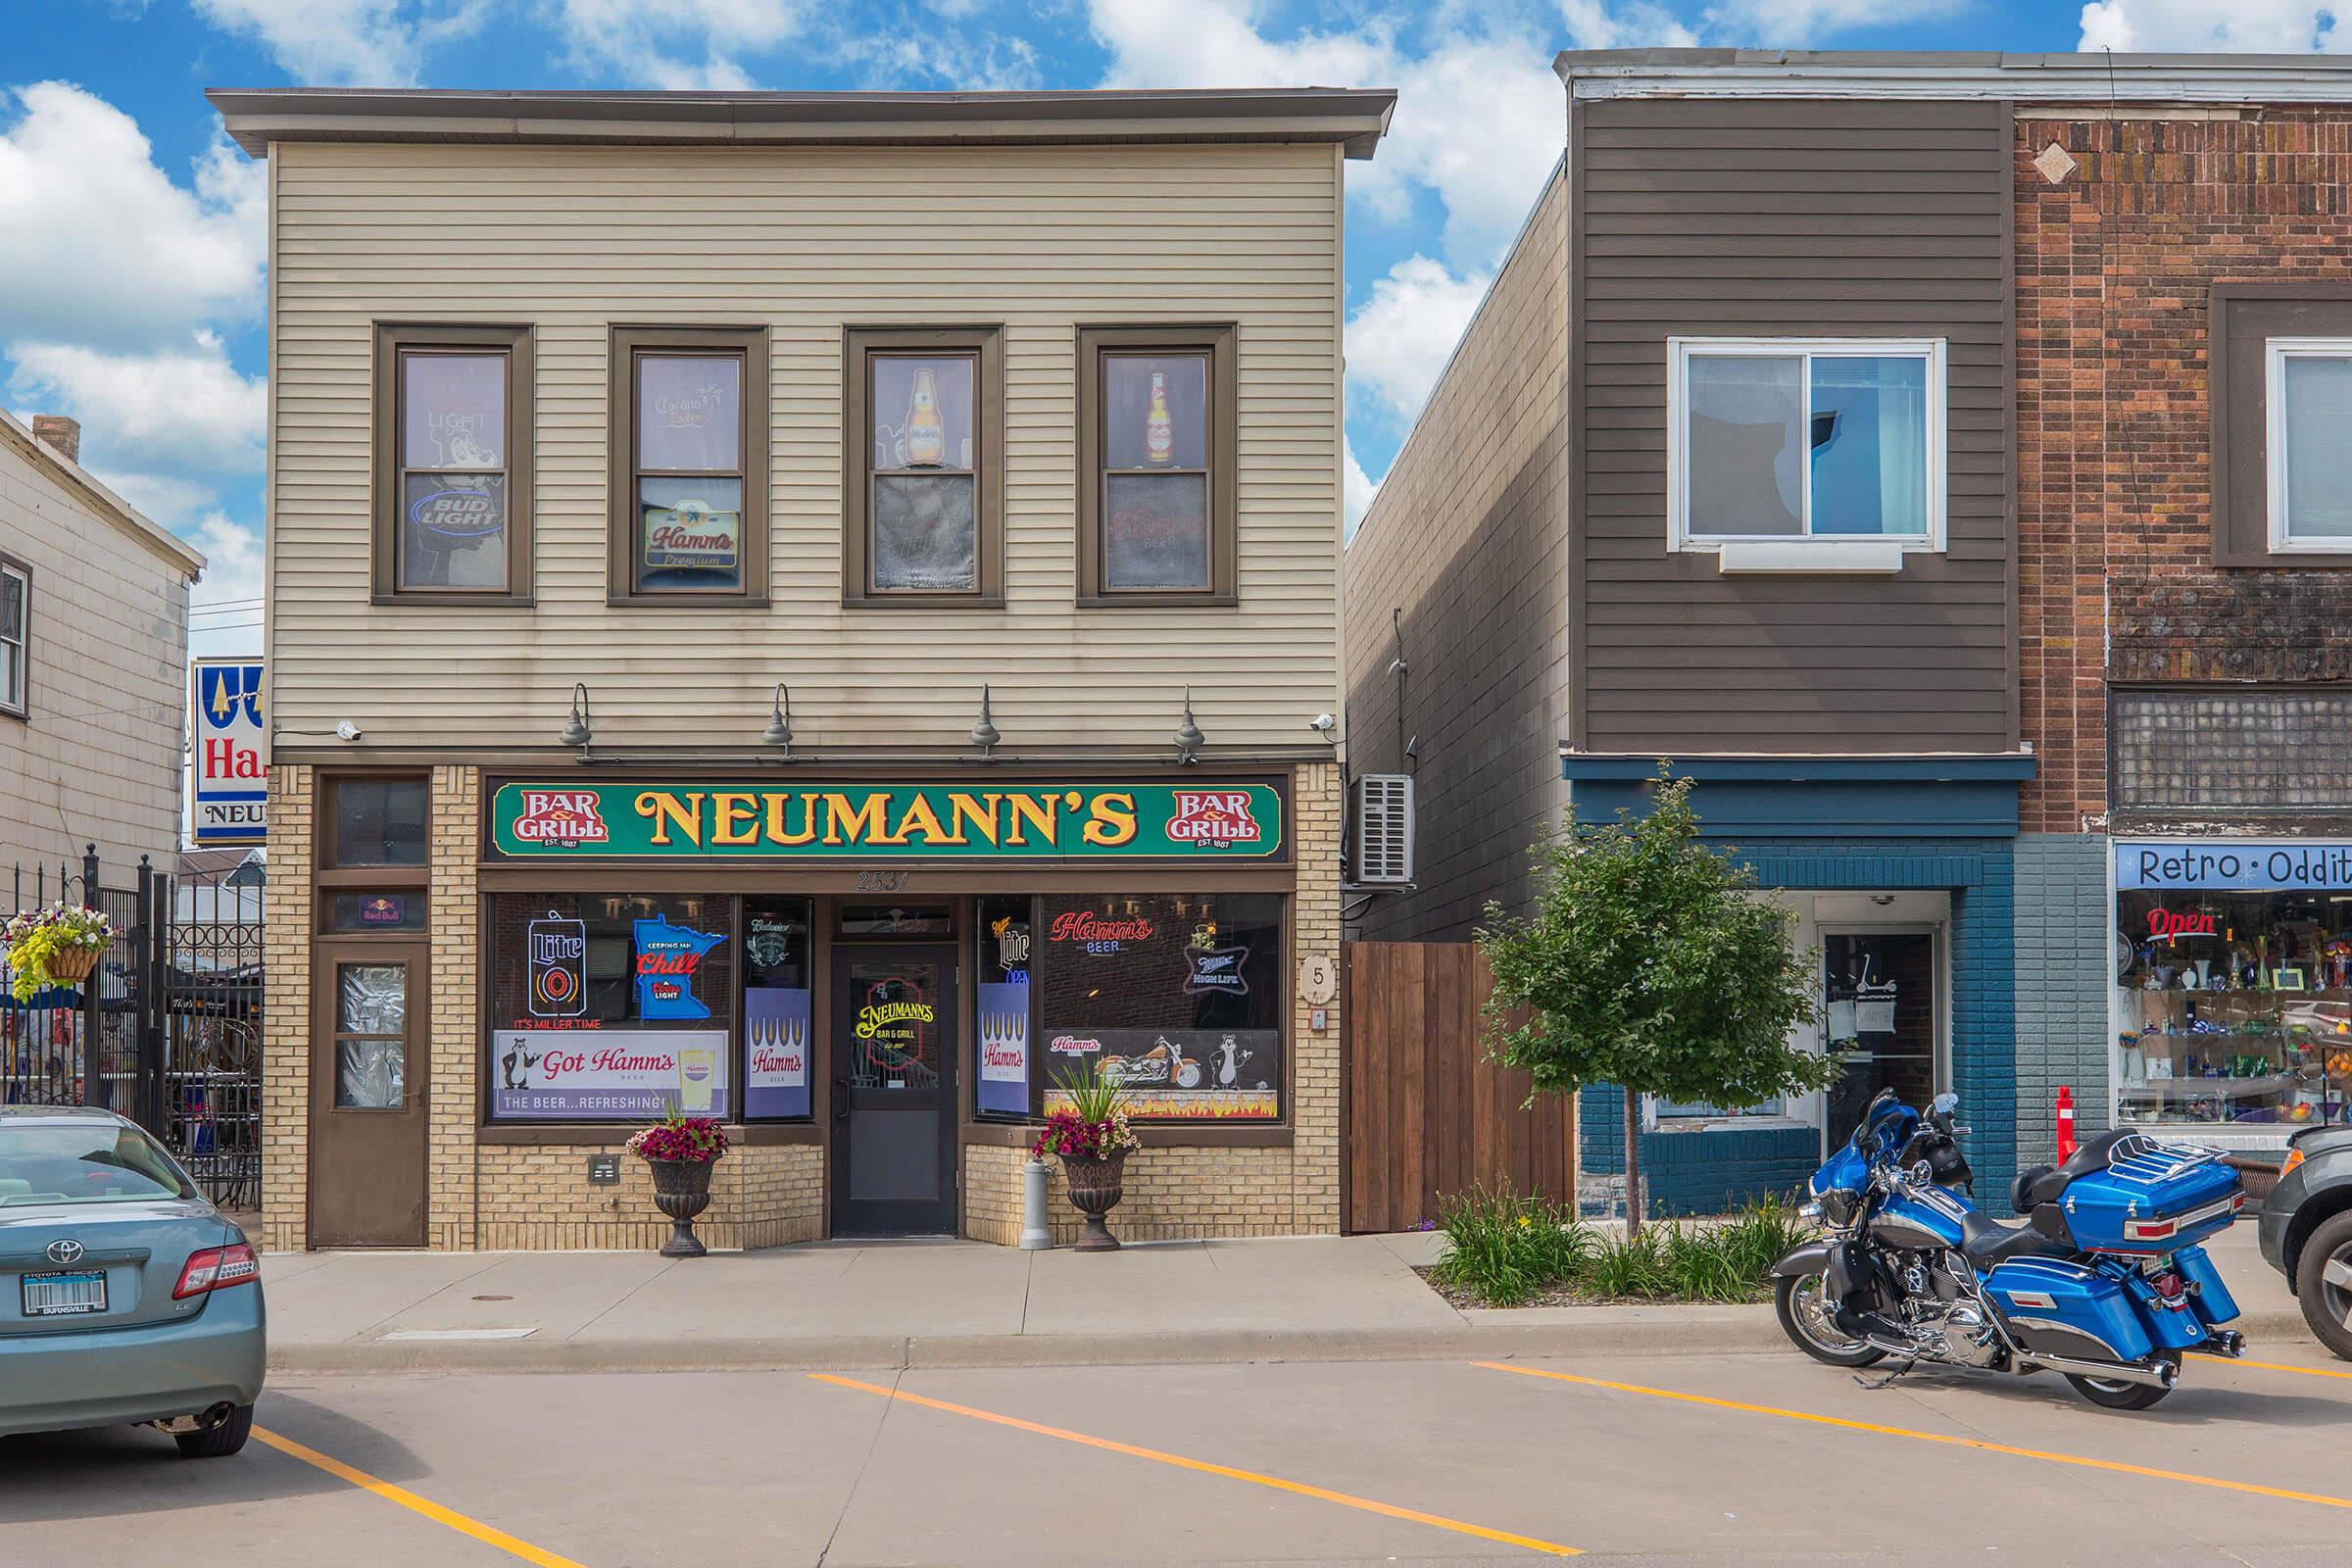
(1036, 1236)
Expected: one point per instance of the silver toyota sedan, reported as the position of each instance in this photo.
(124, 1297)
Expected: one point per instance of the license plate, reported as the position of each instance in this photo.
(64, 1295)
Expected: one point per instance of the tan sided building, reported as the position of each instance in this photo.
(812, 607)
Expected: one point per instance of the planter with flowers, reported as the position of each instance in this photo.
(1089, 1130)
(680, 1151)
(59, 946)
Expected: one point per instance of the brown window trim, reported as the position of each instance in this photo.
(392, 338)
(328, 872)
(23, 707)
(1223, 450)
(860, 344)
(624, 345)
(2233, 530)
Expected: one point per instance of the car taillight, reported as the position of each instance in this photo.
(216, 1268)
(2149, 1229)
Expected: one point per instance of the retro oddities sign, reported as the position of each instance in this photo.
(578, 821)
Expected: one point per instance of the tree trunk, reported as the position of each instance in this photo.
(1633, 1165)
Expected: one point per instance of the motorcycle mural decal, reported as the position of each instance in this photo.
(1200, 1074)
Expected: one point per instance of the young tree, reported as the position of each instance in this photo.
(1647, 963)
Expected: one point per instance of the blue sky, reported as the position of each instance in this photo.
(131, 233)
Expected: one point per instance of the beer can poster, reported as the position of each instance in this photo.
(608, 1074)
(1005, 1047)
(775, 1022)
(1180, 1074)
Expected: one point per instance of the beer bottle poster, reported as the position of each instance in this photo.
(1003, 1084)
(775, 1022)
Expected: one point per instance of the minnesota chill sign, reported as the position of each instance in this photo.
(910, 821)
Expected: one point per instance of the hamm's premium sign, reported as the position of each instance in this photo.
(910, 821)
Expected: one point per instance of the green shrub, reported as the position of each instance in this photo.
(1760, 1235)
(1505, 1248)
(1630, 1266)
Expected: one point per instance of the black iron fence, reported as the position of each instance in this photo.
(167, 1031)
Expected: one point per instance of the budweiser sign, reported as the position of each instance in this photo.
(559, 816)
(1213, 816)
(1084, 925)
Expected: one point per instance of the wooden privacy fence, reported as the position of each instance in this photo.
(1426, 1114)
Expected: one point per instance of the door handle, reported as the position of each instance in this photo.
(841, 1100)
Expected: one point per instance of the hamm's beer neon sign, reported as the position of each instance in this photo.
(909, 821)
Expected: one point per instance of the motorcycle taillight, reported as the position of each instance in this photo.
(2170, 1285)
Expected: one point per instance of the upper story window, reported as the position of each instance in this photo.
(1787, 439)
(2307, 393)
(453, 469)
(922, 488)
(689, 444)
(1156, 491)
(16, 642)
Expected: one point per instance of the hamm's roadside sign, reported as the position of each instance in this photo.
(575, 821)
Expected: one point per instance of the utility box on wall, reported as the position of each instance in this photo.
(1381, 843)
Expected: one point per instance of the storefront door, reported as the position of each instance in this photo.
(1886, 1010)
(894, 1090)
(368, 1095)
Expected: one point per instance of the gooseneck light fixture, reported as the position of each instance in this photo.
(576, 732)
(1189, 739)
(985, 733)
(779, 723)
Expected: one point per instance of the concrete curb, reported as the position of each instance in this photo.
(1590, 1332)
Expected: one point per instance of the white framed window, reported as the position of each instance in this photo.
(1796, 449)
(2307, 398)
(16, 642)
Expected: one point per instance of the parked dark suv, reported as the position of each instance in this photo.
(2305, 1230)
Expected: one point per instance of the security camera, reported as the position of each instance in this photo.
(347, 731)
(1323, 724)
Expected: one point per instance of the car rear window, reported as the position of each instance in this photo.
(83, 1163)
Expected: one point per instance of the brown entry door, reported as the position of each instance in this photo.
(368, 1102)
(894, 1091)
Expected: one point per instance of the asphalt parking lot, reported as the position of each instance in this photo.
(1749, 1460)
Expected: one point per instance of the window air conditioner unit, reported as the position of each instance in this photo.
(1384, 829)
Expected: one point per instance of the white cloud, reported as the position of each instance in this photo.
(675, 43)
(1356, 490)
(348, 43)
(180, 410)
(1399, 339)
(2267, 27)
(224, 608)
(100, 246)
(1597, 25)
(1792, 24)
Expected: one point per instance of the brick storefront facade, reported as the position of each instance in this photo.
(2115, 266)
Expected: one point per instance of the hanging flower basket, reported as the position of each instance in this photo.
(59, 946)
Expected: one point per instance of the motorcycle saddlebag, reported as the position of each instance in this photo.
(2152, 1198)
(2067, 1308)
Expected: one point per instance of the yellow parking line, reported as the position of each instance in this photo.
(2277, 1366)
(2114, 1465)
(486, 1534)
(1301, 1489)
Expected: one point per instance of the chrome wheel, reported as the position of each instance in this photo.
(2324, 1282)
(1803, 1304)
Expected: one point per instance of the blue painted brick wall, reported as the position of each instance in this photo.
(1979, 875)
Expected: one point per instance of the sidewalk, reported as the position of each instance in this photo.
(851, 1304)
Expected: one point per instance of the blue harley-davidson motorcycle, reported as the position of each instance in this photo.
(2103, 1281)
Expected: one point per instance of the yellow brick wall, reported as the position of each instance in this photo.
(537, 1195)
(1181, 1192)
(287, 1021)
(454, 849)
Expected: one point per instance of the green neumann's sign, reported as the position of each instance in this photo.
(912, 821)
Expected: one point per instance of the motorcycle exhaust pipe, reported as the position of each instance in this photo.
(2226, 1342)
(2150, 1375)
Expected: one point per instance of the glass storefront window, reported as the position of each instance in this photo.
(776, 1010)
(1179, 996)
(2232, 994)
(1006, 1075)
(612, 1006)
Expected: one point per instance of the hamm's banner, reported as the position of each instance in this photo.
(912, 821)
